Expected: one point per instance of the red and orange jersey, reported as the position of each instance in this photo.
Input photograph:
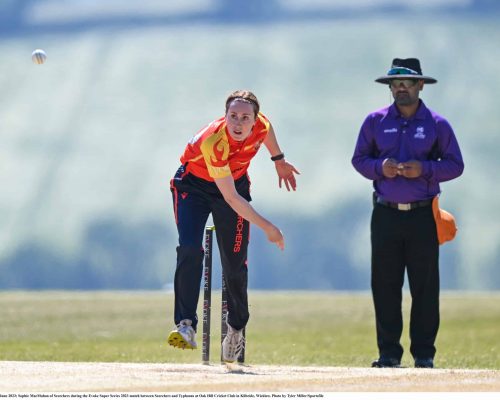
(213, 153)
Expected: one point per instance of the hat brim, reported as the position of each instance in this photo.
(388, 78)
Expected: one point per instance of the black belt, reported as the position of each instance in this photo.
(402, 206)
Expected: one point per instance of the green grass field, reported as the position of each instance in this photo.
(286, 328)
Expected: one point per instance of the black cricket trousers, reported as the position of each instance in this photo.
(194, 199)
(405, 239)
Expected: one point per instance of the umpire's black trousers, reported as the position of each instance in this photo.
(405, 239)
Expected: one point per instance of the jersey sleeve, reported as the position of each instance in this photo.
(261, 118)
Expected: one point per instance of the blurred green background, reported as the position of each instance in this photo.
(285, 328)
(90, 139)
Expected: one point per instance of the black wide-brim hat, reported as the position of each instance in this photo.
(405, 68)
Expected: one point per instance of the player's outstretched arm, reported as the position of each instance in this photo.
(243, 208)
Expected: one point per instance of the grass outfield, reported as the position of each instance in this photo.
(286, 328)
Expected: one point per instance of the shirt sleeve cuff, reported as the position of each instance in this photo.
(426, 169)
(378, 168)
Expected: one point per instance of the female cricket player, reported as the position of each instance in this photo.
(213, 179)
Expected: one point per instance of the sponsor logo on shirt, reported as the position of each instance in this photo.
(392, 130)
(420, 133)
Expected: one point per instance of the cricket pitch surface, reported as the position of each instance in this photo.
(27, 376)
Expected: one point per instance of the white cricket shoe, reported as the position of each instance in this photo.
(233, 344)
(184, 336)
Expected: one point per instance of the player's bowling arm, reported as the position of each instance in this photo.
(238, 203)
(243, 208)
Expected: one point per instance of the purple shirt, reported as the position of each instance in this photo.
(426, 137)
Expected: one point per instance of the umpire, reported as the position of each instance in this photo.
(406, 149)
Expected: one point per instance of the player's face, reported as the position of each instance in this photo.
(240, 119)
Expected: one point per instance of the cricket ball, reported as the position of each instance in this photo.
(38, 56)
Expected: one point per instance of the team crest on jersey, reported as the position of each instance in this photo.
(220, 151)
(420, 133)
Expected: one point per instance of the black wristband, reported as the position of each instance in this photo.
(278, 157)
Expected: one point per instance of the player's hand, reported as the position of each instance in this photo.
(410, 169)
(390, 167)
(286, 172)
(274, 235)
